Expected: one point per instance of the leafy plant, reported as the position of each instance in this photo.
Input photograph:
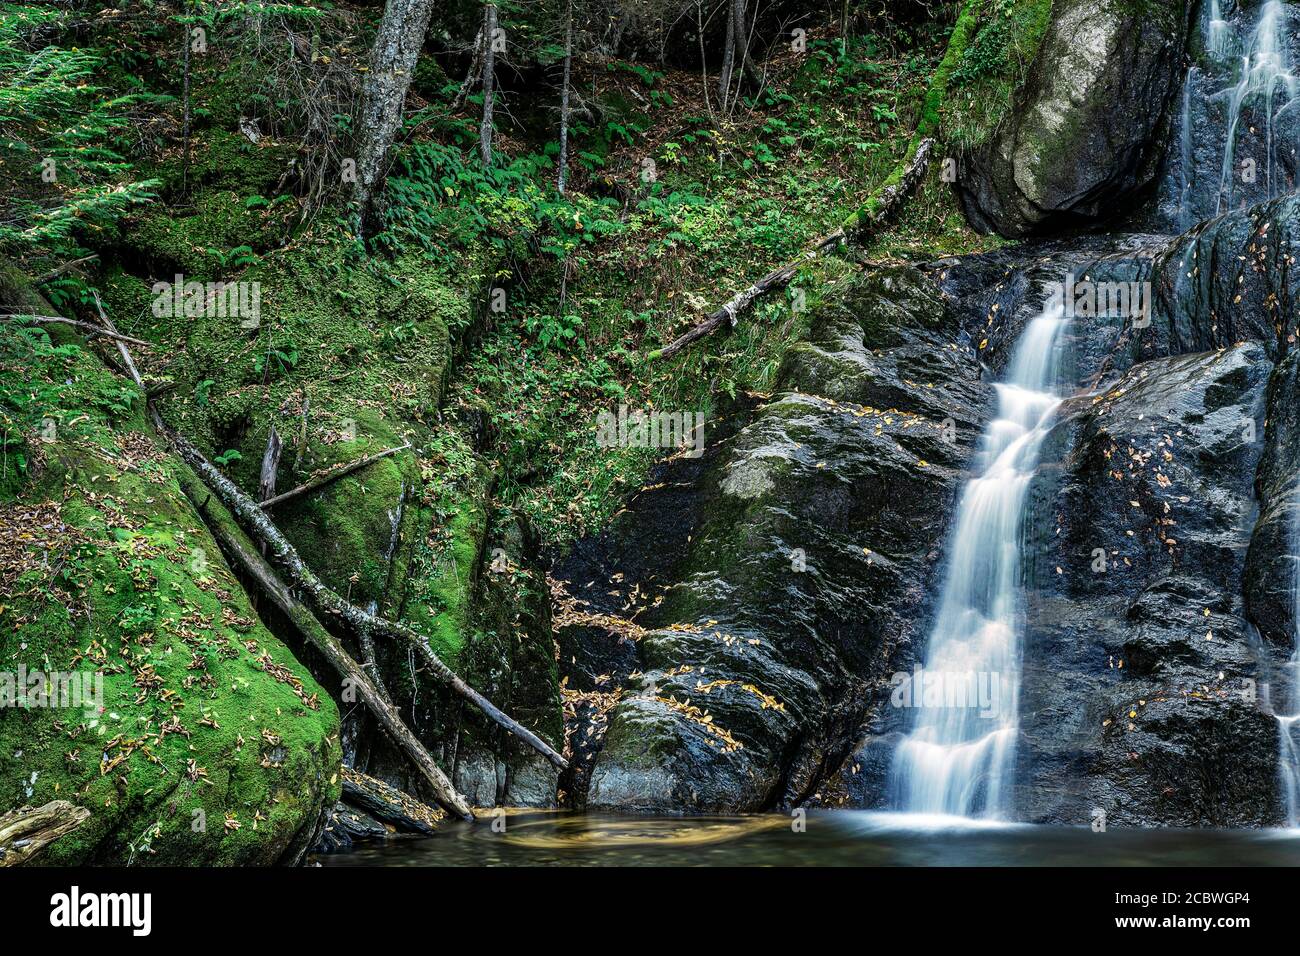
(554, 330)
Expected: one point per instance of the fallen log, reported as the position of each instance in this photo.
(27, 831)
(729, 313)
(886, 201)
(237, 546)
(882, 206)
(326, 601)
(332, 475)
(388, 804)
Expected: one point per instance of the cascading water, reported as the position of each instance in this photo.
(1239, 125)
(958, 759)
(1219, 31)
(1289, 724)
(1265, 69)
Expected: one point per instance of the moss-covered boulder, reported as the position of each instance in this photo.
(210, 744)
(348, 356)
(1084, 132)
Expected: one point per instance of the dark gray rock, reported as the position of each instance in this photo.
(1228, 280)
(1262, 165)
(1085, 130)
(1138, 694)
(803, 579)
(1272, 568)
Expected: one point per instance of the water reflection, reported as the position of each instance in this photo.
(831, 838)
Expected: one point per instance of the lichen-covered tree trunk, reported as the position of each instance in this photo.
(383, 96)
(564, 102)
(489, 79)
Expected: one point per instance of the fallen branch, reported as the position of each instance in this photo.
(879, 209)
(237, 546)
(471, 75)
(55, 273)
(126, 354)
(323, 599)
(326, 601)
(86, 327)
(333, 475)
(27, 831)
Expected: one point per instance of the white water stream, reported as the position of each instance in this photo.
(959, 759)
(1265, 70)
(1289, 724)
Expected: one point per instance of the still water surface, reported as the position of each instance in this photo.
(832, 838)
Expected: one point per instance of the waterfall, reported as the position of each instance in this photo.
(1238, 133)
(959, 754)
(1265, 67)
(1288, 746)
(1187, 156)
(1219, 31)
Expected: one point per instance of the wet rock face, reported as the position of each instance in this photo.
(803, 577)
(1085, 132)
(1158, 542)
(1138, 695)
(1272, 570)
(1228, 280)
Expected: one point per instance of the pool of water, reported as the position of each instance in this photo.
(828, 838)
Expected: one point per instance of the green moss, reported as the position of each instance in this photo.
(206, 716)
(994, 44)
(447, 560)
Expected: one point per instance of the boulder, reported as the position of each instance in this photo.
(1139, 692)
(210, 744)
(1085, 129)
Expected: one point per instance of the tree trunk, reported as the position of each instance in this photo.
(383, 97)
(185, 101)
(738, 11)
(728, 60)
(564, 102)
(489, 78)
